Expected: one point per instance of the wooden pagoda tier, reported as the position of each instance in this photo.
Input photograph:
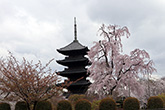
(75, 63)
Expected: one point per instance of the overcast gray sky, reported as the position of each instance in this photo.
(34, 29)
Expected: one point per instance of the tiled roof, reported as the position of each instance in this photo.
(75, 45)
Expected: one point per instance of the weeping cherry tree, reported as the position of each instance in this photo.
(111, 69)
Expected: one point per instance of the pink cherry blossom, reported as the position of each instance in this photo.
(111, 69)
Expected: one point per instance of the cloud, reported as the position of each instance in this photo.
(145, 20)
(124, 12)
(36, 28)
(26, 36)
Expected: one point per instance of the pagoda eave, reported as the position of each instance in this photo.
(76, 62)
(82, 84)
(70, 52)
(68, 73)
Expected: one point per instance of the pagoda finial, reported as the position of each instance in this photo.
(75, 29)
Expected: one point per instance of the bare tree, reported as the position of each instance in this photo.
(27, 81)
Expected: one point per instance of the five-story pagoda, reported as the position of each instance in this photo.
(76, 63)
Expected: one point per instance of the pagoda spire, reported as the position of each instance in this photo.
(75, 29)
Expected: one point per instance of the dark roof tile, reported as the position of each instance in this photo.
(75, 45)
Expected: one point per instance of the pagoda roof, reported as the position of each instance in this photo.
(81, 83)
(73, 46)
(68, 61)
(69, 72)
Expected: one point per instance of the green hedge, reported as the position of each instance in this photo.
(131, 103)
(43, 105)
(64, 105)
(83, 104)
(155, 102)
(107, 104)
(4, 106)
(21, 106)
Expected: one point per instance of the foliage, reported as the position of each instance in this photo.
(95, 104)
(131, 103)
(111, 69)
(43, 105)
(75, 97)
(21, 105)
(4, 106)
(82, 104)
(64, 105)
(162, 96)
(54, 100)
(154, 102)
(27, 81)
(152, 87)
(92, 97)
(107, 104)
(119, 102)
(157, 86)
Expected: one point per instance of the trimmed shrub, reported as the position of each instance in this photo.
(83, 104)
(43, 105)
(75, 97)
(4, 106)
(107, 104)
(21, 105)
(64, 105)
(131, 103)
(154, 102)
